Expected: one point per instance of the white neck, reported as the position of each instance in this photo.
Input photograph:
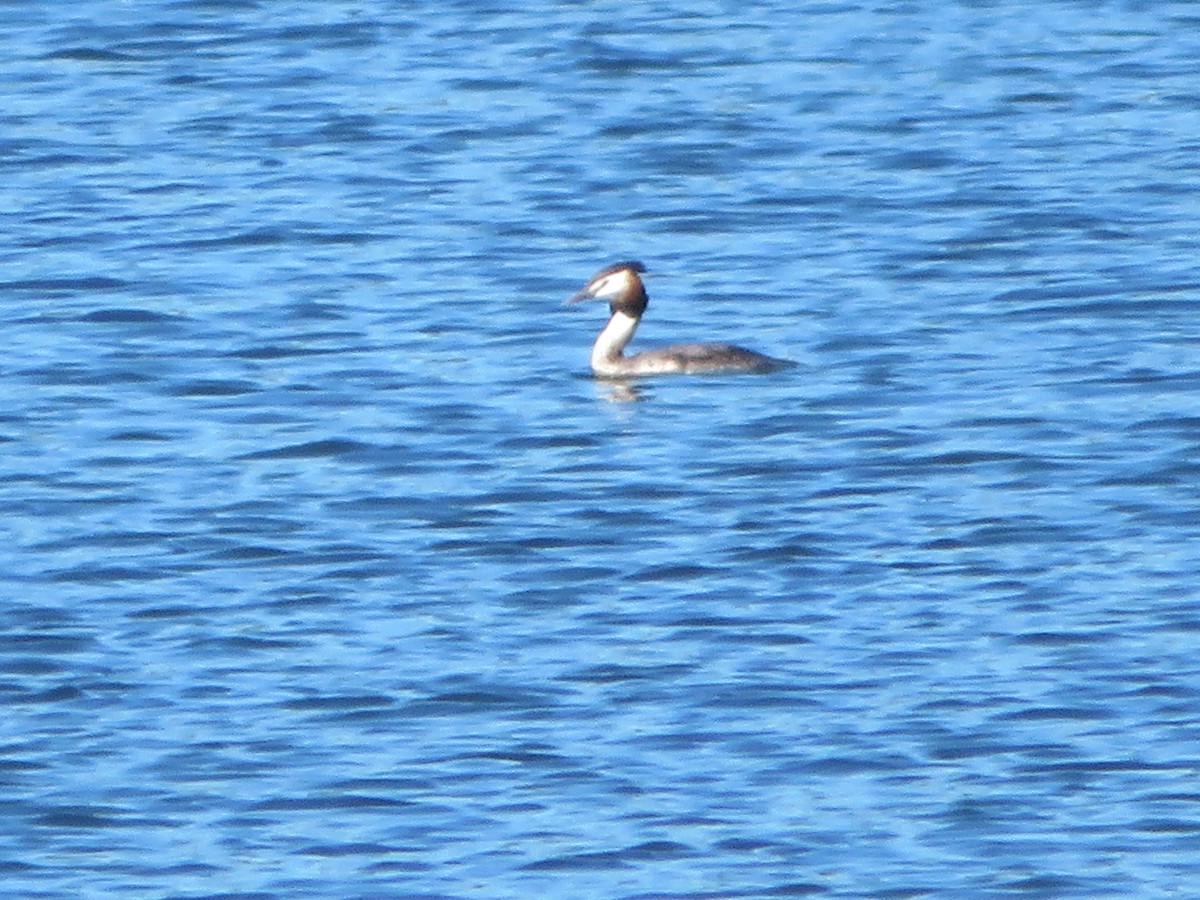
(606, 352)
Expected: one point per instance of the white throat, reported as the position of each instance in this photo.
(606, 352)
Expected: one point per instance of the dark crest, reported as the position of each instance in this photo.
(631, 264)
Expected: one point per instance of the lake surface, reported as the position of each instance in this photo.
(329, 571)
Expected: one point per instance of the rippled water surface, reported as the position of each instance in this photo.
(329, 571)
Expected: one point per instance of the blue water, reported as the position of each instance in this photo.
(329, 571)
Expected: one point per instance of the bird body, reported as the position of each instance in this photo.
(622, 286)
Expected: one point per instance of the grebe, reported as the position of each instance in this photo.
(627, 300)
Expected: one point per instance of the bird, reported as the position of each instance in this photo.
(621, 285)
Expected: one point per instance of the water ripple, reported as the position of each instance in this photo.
(330, 572)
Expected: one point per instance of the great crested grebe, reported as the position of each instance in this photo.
(627, 300)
